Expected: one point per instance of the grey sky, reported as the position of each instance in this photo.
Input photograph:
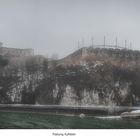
(55, 26)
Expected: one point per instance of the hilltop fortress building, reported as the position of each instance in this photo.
(102, 52)
(15, 52)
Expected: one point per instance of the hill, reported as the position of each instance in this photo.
(87, 77)
(94, 76)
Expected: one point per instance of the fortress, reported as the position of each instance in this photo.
(102, 52)
(15, 52)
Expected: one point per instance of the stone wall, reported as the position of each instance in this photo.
(15, 52)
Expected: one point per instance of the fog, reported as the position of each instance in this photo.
(56, 26)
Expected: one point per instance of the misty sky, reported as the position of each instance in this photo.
(55, 26)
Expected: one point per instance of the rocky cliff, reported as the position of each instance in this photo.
(84, 78)
(98, 84)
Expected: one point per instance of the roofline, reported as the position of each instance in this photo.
(18, 48)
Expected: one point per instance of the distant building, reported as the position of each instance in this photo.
(15, 52)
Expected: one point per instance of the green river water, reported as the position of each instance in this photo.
(45, 121)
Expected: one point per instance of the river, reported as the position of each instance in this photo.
(18, 120)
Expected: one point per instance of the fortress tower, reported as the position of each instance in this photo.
(84, 52)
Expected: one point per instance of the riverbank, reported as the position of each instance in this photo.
(73, 110)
